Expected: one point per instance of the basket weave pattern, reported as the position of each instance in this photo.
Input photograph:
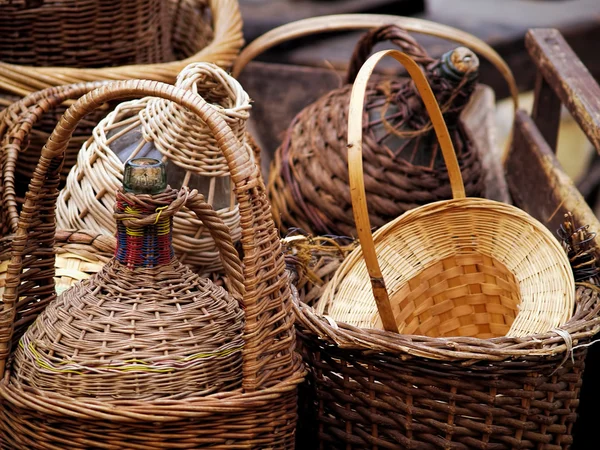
(260, 414)
(367, 389)
(93, 33)
(308, 183)
(161, 329)
(87, 199)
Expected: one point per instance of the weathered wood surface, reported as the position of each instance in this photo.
(538, 184)
(570, 80)
(279, 92)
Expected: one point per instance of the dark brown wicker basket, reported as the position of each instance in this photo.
(308, 183)
(99, 33)
(371, 389)
(376, 389)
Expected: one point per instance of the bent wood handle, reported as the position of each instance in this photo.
(348, 22)
(355, 167)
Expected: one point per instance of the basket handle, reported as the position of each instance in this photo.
(355, 167)
(222, 237)
(348, 22)
(268, 354)
(18, 120)
(393, 33)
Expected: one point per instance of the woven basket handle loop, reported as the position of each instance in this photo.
(21, 124)
(268, 332)
(355, 167)
(393, 33)
(347, 22)
(222, 237)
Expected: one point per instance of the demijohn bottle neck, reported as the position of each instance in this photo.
(149, 245)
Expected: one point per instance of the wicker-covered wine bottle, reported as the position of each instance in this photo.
(403, 165)
(145, 326)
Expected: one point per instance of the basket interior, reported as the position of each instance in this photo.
(470, 295)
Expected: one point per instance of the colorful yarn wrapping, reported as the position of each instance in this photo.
(145, 246)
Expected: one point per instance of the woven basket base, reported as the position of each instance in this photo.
(462, 295)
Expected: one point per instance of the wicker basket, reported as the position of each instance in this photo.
(460, 267)
(370, 388)
(376, 389)
(403, 165)
(261, 414)
(157, 128)
(192, 39)
(91, 33)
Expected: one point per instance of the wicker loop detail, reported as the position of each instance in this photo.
(399, 37)
(268, 343)
(17, 134)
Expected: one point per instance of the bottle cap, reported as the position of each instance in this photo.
(144, 176)
(458, 62)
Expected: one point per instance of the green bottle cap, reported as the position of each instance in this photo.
(144, 176)
(458, 62)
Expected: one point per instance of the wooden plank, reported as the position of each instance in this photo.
(480, 121)
(546, 111)
(538, 184)
(568, 77)
(279, 92)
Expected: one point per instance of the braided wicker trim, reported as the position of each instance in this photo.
(581, 327)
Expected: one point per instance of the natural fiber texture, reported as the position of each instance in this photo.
(144, 327)
(308, 183)
(370, 389)
(162, 129)
(93, 33)
(198, 30)
(460, 267)
(314, 261)
(183, 27)
(261, 414)
(22, 136)
(79, 254)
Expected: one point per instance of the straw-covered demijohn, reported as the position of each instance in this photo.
(145, 326)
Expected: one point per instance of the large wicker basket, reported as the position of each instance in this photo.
(308, 182)
(199, 30)
(261, 414)
(375, 388)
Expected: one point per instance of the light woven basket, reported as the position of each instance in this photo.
(186, 144)
(461, 267)
(260, 414)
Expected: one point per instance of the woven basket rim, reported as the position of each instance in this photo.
(222, 50)
(583, 324)
(158, 410)
(445, 207)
